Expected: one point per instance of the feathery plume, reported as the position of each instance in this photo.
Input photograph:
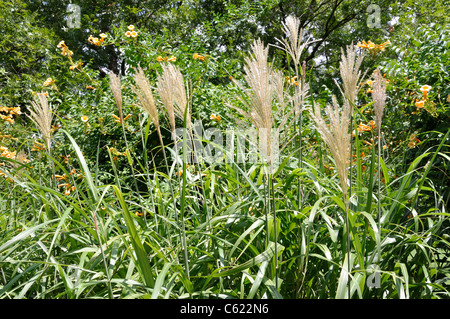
(114, 83)
(293, 44)
(350, 73)
(144, 93)
(172, 90)
(262, 81)
(336, 136)
(379, 96)
(42, 116)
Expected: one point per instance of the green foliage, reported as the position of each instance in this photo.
(103, 215)
(417, 61)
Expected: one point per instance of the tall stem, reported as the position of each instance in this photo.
(379, 191)
(347, 225)
(274, 229)
(171, 190)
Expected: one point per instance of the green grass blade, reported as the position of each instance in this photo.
(264, 256)
(87, 173)
(143, 262)
(160, 280)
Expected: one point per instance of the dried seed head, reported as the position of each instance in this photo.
(350, 73)
(114, 83)
(336, 135)
(379, 96)
(42, 116)
(144, 93)
(173, 93)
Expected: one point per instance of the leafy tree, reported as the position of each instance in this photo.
(25, 52)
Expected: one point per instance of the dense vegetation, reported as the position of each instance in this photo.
(129, 168)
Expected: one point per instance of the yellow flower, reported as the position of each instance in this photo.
(90, 87)
(131, 27)
(372, 124)
(75, 66)
(128, 33)
(425, 89)
(117, 119)
(69, 189)
(372, 46)
(38, 147)
(364, 128)
(84, 118)
(368, 143)
(7, 118)
(134, 34)
(61, 44)
(198, 56)
(172, 59)
(381, 46)
(15, 110)
(420, 104)
(159, 59)
(61, 178)
(215, 117)
(362, 45)
(49, 81)
(97, 41)
(413, 140)
(291, 80)
(66, 158)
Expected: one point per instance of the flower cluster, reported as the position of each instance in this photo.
(413, 140)
(421, 103)
(76, 66)
(166, 59)
(64, 49)
(97, 41)
(5, 152)
(215, 117)
(372, 46)
(131, 32)
(10, 111)
(66, 179)
(49, 81)
(115, 152)
(365, 127)
(293, 80)
(197, 56)
(66, 52)
(38, 147)
(117, 119)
